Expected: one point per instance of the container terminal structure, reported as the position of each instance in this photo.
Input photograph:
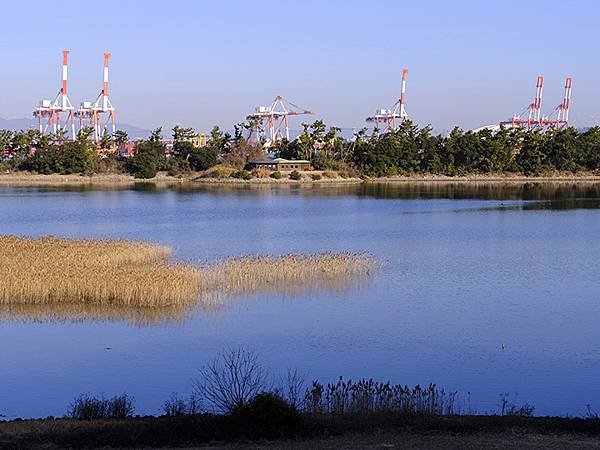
(99, 115)
(271, 123)
(388, 119)
(58, 116)
(531, 117)
(50, 113)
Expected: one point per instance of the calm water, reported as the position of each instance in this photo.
(485, 290)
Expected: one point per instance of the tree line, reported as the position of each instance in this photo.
(405, 151)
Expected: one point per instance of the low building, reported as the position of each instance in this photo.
(127, 150)
(281, 164)
(198, 140)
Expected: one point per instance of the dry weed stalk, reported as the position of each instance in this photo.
(85, 275)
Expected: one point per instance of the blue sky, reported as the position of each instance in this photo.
(199, 63)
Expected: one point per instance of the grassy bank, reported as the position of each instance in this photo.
(311, 432)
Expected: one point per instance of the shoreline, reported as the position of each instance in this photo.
(324, 432)
(25, 179)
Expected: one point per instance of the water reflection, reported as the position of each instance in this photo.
(538, 195)
(75, 313)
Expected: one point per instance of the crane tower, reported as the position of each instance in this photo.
(93, 113)
(531, 117)
(388, 119)
(560, 116)
(274, 119)
(49, 113)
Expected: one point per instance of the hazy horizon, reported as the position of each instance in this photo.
(199, 64)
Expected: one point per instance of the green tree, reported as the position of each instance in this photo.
(532, 154)
(197, 158)
(149, 157)
(183, 134)
(120, 138)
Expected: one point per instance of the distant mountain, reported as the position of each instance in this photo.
(26, 124)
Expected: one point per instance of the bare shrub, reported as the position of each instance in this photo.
(230, 380)
(510, 408)
(259, 172)
(87, 407)
(293, 387)
(178, 406)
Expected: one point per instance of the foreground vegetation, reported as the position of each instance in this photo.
(235, 400)
(330, 432)
(85, 274)
(407, 151)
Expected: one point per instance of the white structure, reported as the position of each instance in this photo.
(51, 112)
(389, 119)
(274, 119)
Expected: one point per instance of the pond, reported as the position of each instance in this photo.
(482, 289)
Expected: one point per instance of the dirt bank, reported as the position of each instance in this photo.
(163, 179)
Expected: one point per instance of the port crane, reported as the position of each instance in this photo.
(272, 122)
(389, 119)
(49, 113)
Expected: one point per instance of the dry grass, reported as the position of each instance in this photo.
(85, 271)
(87, 279)
(290, 273)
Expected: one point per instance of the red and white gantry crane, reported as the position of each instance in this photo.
(101, 114)
(49, 113)
(389, 119)
(560, 116)
(531, 117)
(534, 110)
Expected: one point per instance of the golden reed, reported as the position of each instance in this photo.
(90, 271)
(137, 281)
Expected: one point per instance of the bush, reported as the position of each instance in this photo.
(295, 175)
(197, 158)
(268, 410)
(260, 173)
(67, 158)
(330, 174)
(87, 407)
(316, 176)
(110, 164)
(241, 174)
(178, 167)
(276, 175)
(219, 171)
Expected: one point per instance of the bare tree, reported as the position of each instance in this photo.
(293, 386)
(230, 380)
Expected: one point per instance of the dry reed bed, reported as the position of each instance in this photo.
(135, 277)
(290, 273)
(111, 272)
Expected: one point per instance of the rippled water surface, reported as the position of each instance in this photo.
(484, 290)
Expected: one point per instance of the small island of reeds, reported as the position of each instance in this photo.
(85, 278)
